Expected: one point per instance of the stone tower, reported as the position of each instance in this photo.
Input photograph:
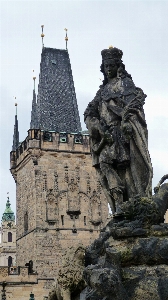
(8, 237)
(59, 199)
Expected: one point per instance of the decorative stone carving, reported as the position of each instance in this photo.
(51, 206)
(4, 271)
(73, 198)
(96, 209)
(56, 181)
(35, 154)
(70, 275)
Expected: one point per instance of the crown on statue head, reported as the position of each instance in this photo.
(111, 53)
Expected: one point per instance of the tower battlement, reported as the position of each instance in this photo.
(49, 141)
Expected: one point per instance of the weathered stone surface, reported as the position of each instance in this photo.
(134, 252)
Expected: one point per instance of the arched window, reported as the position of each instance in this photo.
(26, 222)
(9, 261)
(9, 236)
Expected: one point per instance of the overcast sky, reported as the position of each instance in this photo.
(138, 28)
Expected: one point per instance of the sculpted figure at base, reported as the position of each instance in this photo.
(117, 127)
(156, 188)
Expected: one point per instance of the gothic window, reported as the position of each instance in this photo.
(26, 222)
(9, 261)
(9, 236)
(62, 220)
(52, 206)
(85, 220)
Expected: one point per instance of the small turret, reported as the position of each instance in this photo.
(8, 214)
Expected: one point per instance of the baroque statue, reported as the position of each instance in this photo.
(119, 138)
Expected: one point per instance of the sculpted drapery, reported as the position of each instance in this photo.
(117, 127)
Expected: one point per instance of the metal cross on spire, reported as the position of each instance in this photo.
(66, 37)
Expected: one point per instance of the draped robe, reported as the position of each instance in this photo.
(117, 105)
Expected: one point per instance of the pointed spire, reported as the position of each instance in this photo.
(8, 214)
(34, 121)
(16, 132)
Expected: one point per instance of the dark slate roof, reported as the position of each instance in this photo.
(15, 135)
(56, 108)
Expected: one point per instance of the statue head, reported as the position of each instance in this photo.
(112, 65)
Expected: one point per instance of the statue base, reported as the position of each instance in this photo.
(129, 260)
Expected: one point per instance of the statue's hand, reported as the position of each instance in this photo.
(108, 139)
(127, 129)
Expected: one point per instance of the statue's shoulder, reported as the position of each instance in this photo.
(92, 108)
(98, 94)
(128, 82)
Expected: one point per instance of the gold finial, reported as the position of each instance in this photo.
(66, 37)
(34, 78)
(42, 36)
(110, 47)
(15, 105)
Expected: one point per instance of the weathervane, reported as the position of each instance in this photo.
(34, 78)
(66, 37)
(42, 35)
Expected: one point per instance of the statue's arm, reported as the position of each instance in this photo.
(93, 126)
(92, 121)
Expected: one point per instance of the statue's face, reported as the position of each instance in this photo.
(110, 68)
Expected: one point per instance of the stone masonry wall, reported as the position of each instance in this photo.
(21, 285)
(59, 201)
